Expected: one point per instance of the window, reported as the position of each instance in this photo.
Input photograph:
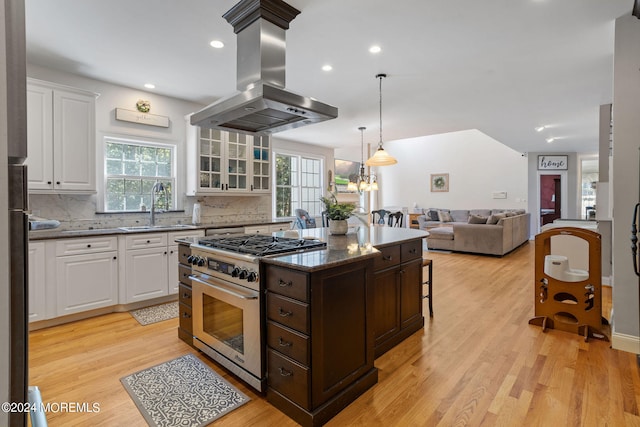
(131, 170)
(298, 185)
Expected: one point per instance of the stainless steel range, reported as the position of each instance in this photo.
(227, 298)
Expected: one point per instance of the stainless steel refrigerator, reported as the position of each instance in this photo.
(15, 85)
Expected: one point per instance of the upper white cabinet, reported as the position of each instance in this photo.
(220, 162)
(60, 138)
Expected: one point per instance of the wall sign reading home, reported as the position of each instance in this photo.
(553, 162)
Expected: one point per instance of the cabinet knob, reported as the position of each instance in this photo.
(284, 372)
(283, 343)
(57, 182)
(387, 258)
(115, 257)
(88, 246)
(282, 283)
(186, 315)
(283, 313)
(148, 241)
(165, 252)
(49, 182)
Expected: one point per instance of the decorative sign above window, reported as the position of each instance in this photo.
(553, 162)
(141, 118)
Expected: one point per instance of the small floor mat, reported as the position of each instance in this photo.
(182, 392)
(156, 313)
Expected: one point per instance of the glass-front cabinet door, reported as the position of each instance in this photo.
(211, 143)
(237, 159)
(261, 164)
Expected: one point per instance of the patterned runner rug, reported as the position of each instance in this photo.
(182, 392)
(156, 313)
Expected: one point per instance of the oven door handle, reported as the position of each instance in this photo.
(223, 289)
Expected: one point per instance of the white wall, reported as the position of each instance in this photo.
(624, 178)
(477, 166)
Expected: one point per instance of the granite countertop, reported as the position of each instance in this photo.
(359, 243)
(63, 234)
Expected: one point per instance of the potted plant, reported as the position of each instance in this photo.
(337, 213)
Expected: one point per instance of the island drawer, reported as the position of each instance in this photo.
(288, 342)
(289, 312)
(288, 282)
(183, 253)
(411, 250)
(185, 294)
(183, 274)
(288, 378)
(390, 257)
(185, 318)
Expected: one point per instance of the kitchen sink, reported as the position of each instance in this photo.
(158, 227)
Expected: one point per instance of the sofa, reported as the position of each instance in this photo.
(482, 231)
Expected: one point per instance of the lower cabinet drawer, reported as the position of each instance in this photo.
(183, 274)
(184, 295)
(186, 322)
(291, 313)
(288, 342)
(288, 378)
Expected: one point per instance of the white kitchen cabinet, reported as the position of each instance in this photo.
(257, 229)
(86, 275)
(151, 264)
(145, 266)
(220, 162)
(37, 281)
(280, 227)
(60, 138)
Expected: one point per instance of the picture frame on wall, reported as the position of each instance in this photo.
(546, 162)
(439, 182)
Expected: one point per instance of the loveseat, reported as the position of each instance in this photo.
(483, 231)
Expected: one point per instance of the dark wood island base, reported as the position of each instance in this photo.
(328, 410)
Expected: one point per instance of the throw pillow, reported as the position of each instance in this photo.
(477, 219)
(433, 215)
(444, 216)
(493, 219)
(510, 213)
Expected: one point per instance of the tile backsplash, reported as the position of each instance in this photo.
(78, 212)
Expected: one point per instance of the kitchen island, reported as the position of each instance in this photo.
(331, 312)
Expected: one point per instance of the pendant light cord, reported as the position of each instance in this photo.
(380, 76)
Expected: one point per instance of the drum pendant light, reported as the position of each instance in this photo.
(381, 157)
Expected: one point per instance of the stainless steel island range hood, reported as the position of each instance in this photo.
(263, 105)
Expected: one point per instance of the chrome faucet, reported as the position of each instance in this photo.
(157, 187)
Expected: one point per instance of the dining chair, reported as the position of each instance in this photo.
(395, 219)
(378, 216)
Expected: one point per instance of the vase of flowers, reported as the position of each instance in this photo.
(337, 213)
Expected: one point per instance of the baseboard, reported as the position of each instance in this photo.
(624, 342)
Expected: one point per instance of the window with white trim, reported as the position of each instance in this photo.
(298, 184)
(131, 169)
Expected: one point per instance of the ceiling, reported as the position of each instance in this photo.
(503, 67)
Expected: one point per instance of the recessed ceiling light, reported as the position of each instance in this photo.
(540, 128)
(375, 49)
(550, 140)
(217, 44)
(149, 85)
(327, 67)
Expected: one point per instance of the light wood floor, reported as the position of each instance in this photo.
(477, 362)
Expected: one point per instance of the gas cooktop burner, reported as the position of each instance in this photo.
(261, 245)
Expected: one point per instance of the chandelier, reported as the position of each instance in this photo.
(381, 157)
(363, 182)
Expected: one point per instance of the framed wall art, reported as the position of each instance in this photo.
(439, 182)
